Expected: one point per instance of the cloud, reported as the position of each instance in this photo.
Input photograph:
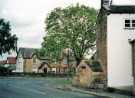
(27, 16)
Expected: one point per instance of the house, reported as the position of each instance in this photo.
(62, 66)
(67, 60)
(27, 60)
(115, 44)
(10, 63)
(44, 65)
(44, 68)
(50, 68)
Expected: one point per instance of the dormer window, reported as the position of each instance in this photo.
(130, 24)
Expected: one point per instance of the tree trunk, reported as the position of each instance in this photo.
(78, 61)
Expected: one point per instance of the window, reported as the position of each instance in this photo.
(129, 24)
(133, 23)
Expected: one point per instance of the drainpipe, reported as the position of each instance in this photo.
(133, 62)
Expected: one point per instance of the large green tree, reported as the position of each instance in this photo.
(72, 27)
(7, 40)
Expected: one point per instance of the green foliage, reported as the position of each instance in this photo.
(96, 66)
(52, 47)
(111, 90)
(7, 41)
(4, 70)
(72, 27)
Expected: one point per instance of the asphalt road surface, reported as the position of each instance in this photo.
(35, 88)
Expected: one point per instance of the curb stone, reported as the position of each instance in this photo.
(102, 94)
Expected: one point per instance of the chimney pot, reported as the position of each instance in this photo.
(105, 2)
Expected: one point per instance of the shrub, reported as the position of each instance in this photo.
(110, 89)
(96, 66)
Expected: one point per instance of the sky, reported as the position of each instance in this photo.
(27, 16)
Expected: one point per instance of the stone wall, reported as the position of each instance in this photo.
(133, 56)
(28, 65)
(102, 39)
(83, 77)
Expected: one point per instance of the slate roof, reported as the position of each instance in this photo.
(122, 9)
(27, 53)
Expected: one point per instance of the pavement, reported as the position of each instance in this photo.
(102, 94)
(20, 87)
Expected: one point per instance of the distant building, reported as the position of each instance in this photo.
(10, 63)
(27, 60)
(115, 44)
(64, 64)
(67, 61)
(44, 65)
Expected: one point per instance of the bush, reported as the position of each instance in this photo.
(96, 66)
(110, 89)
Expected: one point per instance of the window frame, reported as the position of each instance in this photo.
(131, 23)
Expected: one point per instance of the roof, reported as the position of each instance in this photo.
(43, 64)
(11, 60)
(44, 59)
(122, 9)
(27, 53)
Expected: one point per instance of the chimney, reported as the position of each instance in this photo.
(105, 3)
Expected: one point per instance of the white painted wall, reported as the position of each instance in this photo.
(53, 70)
(19, 64)
(119, 51)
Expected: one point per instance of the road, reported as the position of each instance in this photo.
(35, 88)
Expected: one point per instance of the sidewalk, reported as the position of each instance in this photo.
(99, 94)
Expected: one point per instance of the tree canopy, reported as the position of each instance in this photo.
(71, 27)
(7, 40)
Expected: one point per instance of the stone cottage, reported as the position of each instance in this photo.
(27, 60)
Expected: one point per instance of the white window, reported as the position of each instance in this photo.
(129, 23)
